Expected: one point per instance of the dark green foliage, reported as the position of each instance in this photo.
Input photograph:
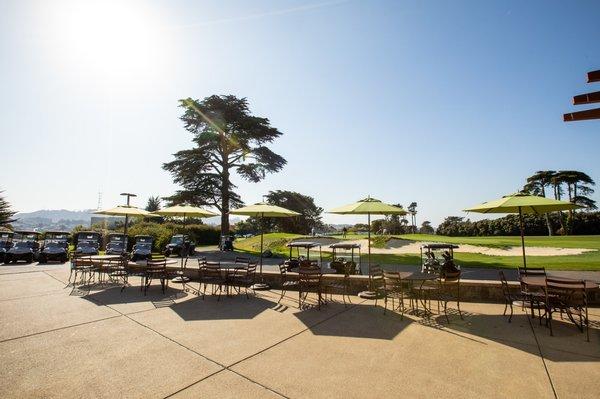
(426, 228)
(6, 214)
(153, 204)
(228, 140)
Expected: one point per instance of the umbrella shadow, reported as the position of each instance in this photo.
(114, 296)
(226, 308)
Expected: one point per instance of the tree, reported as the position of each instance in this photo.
(228, 140)
(6, 214)
(536, 185)
(426, 228)
(579, 187)
(412, 211)
(153, 204)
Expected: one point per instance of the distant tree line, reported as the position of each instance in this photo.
(456, 226)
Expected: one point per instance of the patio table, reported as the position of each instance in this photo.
(422, 277)
(540, 281)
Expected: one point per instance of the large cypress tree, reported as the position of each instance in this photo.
(6, 214)
(227, 140)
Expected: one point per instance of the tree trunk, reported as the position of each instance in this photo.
(225, 201)
(548, 223)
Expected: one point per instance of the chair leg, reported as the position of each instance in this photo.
(511, 313)
(505, 309)
(446, 312)
(282, 295)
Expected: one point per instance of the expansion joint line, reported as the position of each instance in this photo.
(542, 357)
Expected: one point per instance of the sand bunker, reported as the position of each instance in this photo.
(397, 246)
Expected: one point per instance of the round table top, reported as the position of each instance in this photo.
(145, 263)
(417, 276)
(540, 281)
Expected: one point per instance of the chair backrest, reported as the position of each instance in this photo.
(156, 265)
(158, 257)
(251, 270)
(375, 276)
(391, 280)
(201, 261)
(532, 271)
(309, 276)
(241, 259)
(505, 289)
(210, 269)
(569, 292)
(283, 269)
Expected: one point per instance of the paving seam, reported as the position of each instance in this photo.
(60, 328)
(542, 357)
(31, 296)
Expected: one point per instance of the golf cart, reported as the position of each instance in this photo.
(26, 247)
(226, 243)
(87, 242)
(117, 244)
(5, 243)
(294, 262)
(55, 247)
(433, 256)
(142, 250)
(180, 245)
(338, 263)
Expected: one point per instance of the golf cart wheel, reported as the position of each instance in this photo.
(29, 259)
(42, 259)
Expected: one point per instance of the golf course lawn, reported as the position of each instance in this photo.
(276, 242)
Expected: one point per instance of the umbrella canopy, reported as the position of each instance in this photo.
(262, 210)
(523, 203)
(124, 210)
(369, 206)
(185, 211)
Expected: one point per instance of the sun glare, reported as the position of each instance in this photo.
(115, 40)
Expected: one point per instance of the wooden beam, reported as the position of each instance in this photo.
(587, 98)
(582, 115)
(594, 76)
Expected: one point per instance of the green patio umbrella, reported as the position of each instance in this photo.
(262, 210)
(368, 206)
(523, 203)
(126, 211)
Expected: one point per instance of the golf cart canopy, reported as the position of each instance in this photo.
(439, 246)
(26, 235)
(6, 236)
(116, 237)
(88, 235)
(303, 244)
(341, 245)
(144, 239)
(56, 235)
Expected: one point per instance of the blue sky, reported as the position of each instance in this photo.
(445, 103)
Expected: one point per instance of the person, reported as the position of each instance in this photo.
(344, 232)
(312, 232)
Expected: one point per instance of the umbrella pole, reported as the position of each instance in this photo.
(126, 223)
(369, 237)
(522, 237)
(261, 285)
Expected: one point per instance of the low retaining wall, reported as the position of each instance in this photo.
(470, 290)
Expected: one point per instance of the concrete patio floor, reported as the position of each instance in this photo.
(59, 343)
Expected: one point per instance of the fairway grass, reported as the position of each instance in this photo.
(588, 261)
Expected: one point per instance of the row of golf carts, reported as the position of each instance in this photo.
(26, 246)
